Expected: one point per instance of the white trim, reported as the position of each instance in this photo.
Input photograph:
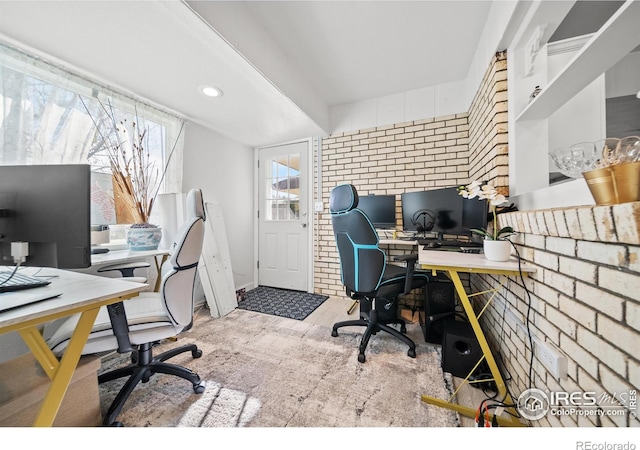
(569, 45)
(310, 211)
(561, 195)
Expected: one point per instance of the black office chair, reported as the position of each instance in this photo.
(365, 273)
(150, 318)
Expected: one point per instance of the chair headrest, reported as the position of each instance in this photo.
(343, 198)
(195, 204)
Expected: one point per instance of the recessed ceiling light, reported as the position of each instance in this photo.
(211, 91)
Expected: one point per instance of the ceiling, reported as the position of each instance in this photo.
(356, 50)
(162, 51)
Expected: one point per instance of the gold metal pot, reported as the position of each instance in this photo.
(615, 184)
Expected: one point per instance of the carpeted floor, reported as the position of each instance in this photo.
(266, 371)
(281, 302)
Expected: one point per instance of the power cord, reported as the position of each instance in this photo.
(6, 280)
(528, 320)
(482, 413)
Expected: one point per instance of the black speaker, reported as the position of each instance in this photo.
(439, 307)
(460, 349)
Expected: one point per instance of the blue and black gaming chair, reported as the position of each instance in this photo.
(365, 273)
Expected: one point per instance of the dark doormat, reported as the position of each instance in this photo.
(281, 302)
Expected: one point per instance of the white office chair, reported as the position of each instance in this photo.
(150, 317)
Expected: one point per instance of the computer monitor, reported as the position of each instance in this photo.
(47, 206)
(380, 209)
(442, 211)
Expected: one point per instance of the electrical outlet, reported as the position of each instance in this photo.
(318, 206)
(552, 359)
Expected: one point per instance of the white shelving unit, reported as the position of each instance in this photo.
(615, 39)
(530, 130)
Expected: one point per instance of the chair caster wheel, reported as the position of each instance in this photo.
(199, 388)
(361, 358)
(334, 333)
(196, 353)
(113, 424)
(411, 353)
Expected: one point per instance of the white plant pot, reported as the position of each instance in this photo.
(497, 250)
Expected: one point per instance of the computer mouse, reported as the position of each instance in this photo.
(433, 245)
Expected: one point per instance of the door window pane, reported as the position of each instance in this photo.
(282, 198)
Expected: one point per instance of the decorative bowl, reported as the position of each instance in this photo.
(573, 161)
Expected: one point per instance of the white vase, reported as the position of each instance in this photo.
(497, 250)
(140, 239)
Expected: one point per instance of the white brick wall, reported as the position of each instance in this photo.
(585, 295)
(387, 160)
(588, 306)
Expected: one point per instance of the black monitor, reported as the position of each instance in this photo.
(380, 209)
(47, 206)
(442, 211)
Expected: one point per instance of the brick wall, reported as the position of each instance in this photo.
(488, 128)
(389, 160)
(585, 302)
(585, 294)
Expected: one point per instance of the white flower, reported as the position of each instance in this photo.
(487, 192)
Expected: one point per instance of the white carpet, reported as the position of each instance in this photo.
(267, 371)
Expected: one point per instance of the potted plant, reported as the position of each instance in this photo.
(136, 177)
(496, 245)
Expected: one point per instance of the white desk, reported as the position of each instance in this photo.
(122, 256)
(118, 256)
(81, 293)
(452, 263)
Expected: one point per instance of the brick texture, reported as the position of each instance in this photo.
(584, 298)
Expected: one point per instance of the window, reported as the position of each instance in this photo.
(283, 191)
(51, 116)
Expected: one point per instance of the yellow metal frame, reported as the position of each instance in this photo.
(503, 394)
(156, 287)
(60, 371)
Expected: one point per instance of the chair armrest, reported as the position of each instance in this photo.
(120, 326)
(126, 269)
(411, 260)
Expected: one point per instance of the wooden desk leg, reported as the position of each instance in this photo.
(503, 394)
(156, 288)
(61, 373)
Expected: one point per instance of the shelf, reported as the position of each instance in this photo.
(615, 39)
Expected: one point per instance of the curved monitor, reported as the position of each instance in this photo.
(380, 209)
(47, 206)
(442, 211)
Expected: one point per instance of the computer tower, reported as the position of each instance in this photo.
(438, 308)
(460, 349)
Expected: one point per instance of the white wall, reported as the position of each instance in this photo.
(223, 169)
(433, 101)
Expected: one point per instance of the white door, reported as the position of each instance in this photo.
(283, 216)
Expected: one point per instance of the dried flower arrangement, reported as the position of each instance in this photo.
(136, 177)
